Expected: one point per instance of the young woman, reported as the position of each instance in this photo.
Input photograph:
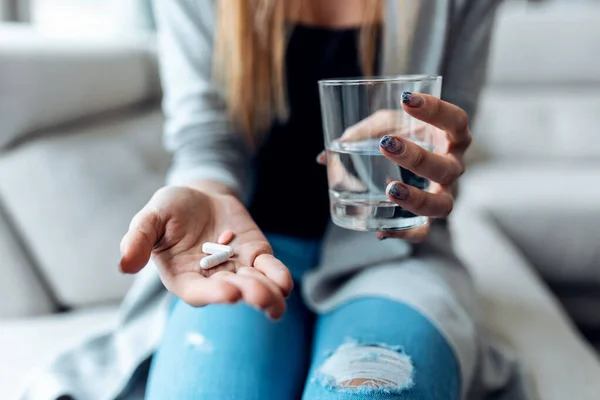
(378, 320)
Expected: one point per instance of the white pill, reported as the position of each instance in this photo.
(214, 260)
(213, 248)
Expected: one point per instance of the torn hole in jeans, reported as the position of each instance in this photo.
(367, 368)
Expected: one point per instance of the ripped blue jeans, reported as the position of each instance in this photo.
(367, 348)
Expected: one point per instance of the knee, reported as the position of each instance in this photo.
(367, 368)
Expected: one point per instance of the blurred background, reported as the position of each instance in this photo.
(80, 153)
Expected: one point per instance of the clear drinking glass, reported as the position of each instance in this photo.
(356, 114)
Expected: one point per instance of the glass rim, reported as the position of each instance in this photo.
(379, 80)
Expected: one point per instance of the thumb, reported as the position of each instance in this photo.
(136, 247)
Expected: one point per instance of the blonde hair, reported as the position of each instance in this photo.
(249, 61)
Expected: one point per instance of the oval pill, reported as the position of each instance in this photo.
(214, 260)
(212, 248)
(225, 237)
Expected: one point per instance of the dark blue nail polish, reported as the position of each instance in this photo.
(399, 192)
(412, 100)
(391, 144)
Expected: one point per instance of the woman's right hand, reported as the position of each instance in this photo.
(171, 229)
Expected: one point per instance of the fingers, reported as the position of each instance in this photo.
(248, 284)
(441, 114)
(444, 169)
(198, 291)
(380, 123)
(253, 291)
(340, 178)
(437, 205)
(414, 235)
(322, 158)
(137, 244)
(274, 269)
(256, 291)
(277, 307)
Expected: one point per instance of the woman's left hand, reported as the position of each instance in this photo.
(442, 167)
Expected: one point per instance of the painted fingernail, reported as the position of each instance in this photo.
(322, 158)
(384, 237)
(399, 192)
(412, 100)
(391, 144)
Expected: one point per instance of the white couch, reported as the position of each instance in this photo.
(530, 201)
(80, 152)
(539, 134)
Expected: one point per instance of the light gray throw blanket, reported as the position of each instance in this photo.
(446, 37)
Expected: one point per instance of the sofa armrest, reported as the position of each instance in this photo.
(520, 311)
(554, 227)
(46, 81)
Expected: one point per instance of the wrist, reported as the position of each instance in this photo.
(212, 187)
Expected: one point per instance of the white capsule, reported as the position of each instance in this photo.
(214, 260)
(213, 248)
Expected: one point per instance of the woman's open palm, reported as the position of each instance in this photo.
(171, 229)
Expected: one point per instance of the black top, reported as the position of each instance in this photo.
(290, 193)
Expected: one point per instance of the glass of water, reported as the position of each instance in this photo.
(357, 113)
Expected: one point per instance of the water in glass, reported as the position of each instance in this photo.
(358, 175)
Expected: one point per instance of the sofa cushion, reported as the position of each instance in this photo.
(72, 194)
(545, 43)
(543, 92)
(26, 344)
(107, 19)
(536, 124)
(47, 81)
(22, 291)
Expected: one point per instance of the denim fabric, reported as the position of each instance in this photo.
(223, 352)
